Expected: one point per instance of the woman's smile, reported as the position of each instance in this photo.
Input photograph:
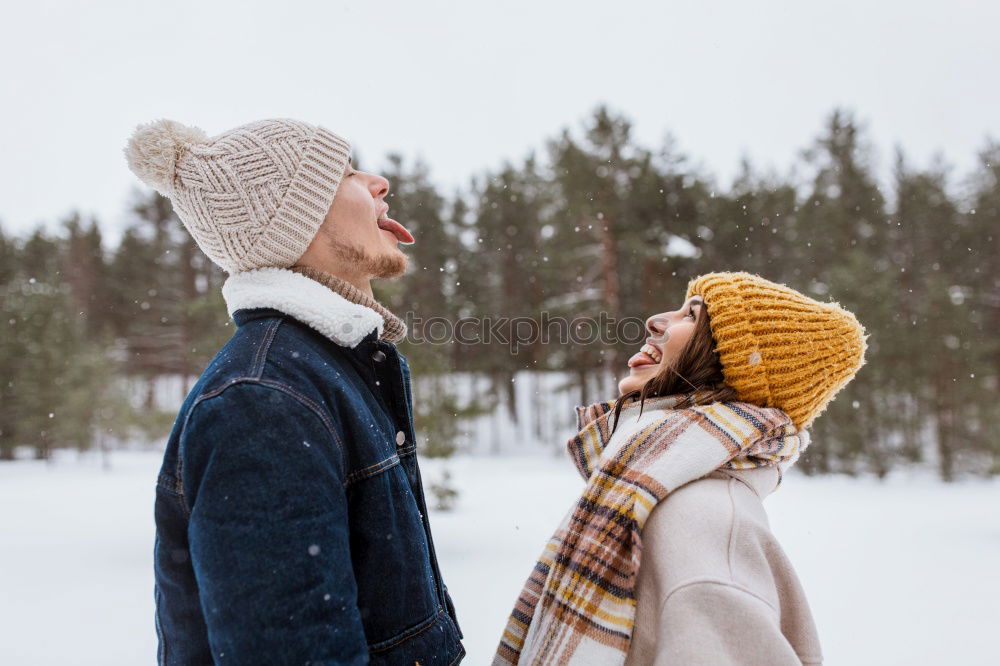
(648, 354)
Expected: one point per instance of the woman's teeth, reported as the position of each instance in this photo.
(652, 351)
(647, 355)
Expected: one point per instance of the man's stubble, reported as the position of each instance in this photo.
(389, 265)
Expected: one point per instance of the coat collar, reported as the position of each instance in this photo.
(308, 301)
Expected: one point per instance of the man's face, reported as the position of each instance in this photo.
(357, 240)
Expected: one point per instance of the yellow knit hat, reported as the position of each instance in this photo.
(779, 348)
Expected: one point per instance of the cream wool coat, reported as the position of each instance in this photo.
(714, 586)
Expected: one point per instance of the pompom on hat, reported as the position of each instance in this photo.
(778, 347)
(251, 197)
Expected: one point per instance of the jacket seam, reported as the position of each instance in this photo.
(165, 482)
(754, 488)
(161, 648)
(371, 470)
(312, 405)
(732, 528)
(715, 581)
(273, 385)
(427, 623)
(735, 477)
(260, 358)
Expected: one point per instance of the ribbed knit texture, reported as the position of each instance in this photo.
(778, 347)
(251, 197)
(394, 328)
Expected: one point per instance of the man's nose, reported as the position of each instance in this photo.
(378, 185)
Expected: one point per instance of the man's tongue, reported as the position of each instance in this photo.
(397, 229)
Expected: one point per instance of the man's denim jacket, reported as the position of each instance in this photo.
(291, 526)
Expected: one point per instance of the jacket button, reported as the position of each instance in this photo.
(400, 438)
(379, 356)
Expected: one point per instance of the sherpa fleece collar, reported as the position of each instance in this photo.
(310, 302)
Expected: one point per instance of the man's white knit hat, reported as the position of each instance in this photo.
(251, 197)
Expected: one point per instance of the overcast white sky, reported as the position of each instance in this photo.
(466, 85)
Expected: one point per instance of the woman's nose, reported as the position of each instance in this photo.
(655, 325)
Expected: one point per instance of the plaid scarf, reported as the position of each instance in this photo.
(578, 605)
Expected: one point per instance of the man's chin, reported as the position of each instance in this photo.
(390, 265)
(387, 263)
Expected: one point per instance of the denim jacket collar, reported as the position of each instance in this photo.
(308, 301)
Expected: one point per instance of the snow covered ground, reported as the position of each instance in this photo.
(901, 572)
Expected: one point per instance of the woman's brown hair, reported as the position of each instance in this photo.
(696, 368)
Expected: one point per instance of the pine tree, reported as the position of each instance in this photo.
(980, 305)
(85, 271)
(55, 370)
(844, 224)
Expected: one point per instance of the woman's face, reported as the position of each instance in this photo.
(668, 333)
